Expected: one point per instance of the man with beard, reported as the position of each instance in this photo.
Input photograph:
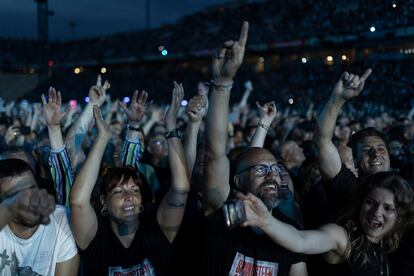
(27, 247)
(244, 250)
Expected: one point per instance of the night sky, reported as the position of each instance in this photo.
(93, 17)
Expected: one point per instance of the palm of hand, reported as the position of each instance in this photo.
(52, 114)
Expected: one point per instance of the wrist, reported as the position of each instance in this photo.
(222, 85)
(135, 127)
(53, 127)
(263, 125)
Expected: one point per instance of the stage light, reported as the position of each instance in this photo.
(164, 52)
(329, 58)
(77, 70)
(184, 103)
(103, 70)
(87, 99)
(290, 101)
(344, 57)
(126, 100)
(304, 60)
(372, 29)
(394, 5)
(160, 48)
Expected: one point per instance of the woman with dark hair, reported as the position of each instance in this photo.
(364, 235)
(127, 239)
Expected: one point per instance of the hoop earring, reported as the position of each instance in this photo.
(104, 211)
(141, 209)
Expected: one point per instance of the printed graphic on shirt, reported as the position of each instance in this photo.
(247, 266)
(10, 266)
(143, 269)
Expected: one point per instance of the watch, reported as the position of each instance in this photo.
(173, 133)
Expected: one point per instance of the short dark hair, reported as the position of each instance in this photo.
(13, 167)
(359, 137)
(111, 176)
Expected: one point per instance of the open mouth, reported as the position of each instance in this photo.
(373, 224)
(129, 208)
(270, 188)
(375, 163)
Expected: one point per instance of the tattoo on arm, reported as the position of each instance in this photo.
(176, 199)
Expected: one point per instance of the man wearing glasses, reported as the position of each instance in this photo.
(245, 246)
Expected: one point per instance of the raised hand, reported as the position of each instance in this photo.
(196, 108)
(52, 108)
(350, 85)
(229, 58)
(137, 107)
(97, 93)
(104, 130)
(32, 204)
(257, 214)
(172, 113)
(11, 133)
(267, 112)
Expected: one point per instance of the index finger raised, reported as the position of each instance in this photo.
(243, 34)
(366, 74)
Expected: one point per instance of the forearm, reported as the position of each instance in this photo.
(80, 126)
(260, 134)
(327, 120)
(86, 179)
(55, 137)
(5, 214)
(283, 234)
(132, 151)
(217, 124)
(147, 126)
(62, 175)
(178, 165)
(190, 144)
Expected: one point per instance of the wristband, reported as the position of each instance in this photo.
(173, 133)
(129, 127)
(264, 126)
(219, 86)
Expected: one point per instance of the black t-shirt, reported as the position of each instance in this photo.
(148, 254)
(187, 248)
(340, 190)
(241, 251)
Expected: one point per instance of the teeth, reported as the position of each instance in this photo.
(129, 208)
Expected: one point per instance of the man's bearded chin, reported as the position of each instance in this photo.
(271, 200)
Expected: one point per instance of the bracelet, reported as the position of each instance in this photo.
(129, 127)
(173, 133)
(219, 86)
(263, 126)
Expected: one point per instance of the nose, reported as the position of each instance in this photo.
(376, 211)
(372, 152)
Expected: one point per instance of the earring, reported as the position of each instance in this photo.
(104, 211)
(141, 209)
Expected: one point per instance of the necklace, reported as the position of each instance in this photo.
(381, 259)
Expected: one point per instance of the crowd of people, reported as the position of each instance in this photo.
(134, 188)
(271, 22)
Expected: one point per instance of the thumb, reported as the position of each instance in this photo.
(123, 106)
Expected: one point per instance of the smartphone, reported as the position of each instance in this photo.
(25, 130)
(234, 213)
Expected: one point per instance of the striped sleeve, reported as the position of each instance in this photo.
(62, 174)
(132, 151)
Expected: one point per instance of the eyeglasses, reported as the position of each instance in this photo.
(263, 169)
